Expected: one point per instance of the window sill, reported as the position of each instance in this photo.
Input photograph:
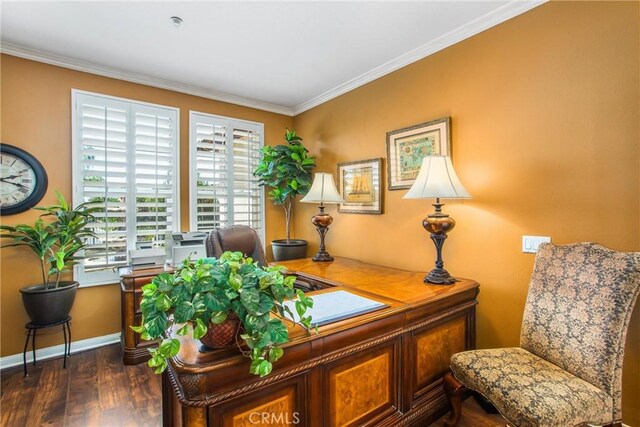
(92, 283)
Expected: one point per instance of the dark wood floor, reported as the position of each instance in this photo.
(474, 416)
(96, 389)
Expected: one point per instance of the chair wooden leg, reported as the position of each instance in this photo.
(454, 390)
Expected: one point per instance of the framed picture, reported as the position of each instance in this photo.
(407, 147)
(359, 184)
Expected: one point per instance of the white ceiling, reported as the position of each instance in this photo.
(278, 56)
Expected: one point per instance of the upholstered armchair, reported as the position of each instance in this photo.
(568, 368)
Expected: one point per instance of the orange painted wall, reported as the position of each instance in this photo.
(546, 136)
(36, 116)
(545, 115)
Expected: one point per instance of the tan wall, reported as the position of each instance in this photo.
(36, 116)
(545, 117)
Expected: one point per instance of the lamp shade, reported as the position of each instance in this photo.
(437, 179)
(323, 190)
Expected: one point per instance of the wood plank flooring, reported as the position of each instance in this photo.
(96, 389)
(474, 416)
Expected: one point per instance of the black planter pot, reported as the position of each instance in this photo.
(47, 306)
(294, 249)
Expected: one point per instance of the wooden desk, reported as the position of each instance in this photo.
(134, 349)
(382, 368)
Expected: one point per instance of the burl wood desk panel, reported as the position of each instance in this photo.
(382, 368)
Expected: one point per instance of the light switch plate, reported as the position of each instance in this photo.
(530, 243)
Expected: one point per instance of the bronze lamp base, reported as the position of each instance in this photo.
(322, 221)
(439, 224)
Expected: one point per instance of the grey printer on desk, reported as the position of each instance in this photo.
(186, 244)
(146, 257)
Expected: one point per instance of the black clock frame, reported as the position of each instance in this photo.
(40, 176)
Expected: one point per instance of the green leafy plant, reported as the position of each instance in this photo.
(209, 291)
(286, 170)
(55, 243)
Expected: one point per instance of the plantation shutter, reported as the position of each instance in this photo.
(154, 167)
(210, 158)
(125, 161)
(247, 194)
(224, 153)
(103, 126)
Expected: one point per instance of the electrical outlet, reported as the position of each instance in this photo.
(530, 243)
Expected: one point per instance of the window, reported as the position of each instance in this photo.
(125, 158)
(224, 152)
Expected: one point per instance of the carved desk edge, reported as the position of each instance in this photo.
(182, 375)
(454, 295)
(186, 397)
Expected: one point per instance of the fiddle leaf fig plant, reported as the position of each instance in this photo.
(209, 291)
(286, 170)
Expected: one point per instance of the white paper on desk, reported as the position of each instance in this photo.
(330, 307)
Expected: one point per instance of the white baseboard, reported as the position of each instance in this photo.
(58, 350)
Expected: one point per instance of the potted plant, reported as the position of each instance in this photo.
(56, 244)
(218, 298)
(286, 170)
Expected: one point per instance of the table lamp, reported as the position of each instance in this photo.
(323, 190)
(437, 179)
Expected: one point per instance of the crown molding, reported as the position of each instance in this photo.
(497, 16)
(491, 19)
(105, 71)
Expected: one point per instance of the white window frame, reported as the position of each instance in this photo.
(112, 276)
(193, 172)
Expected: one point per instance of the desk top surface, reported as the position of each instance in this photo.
(401, 290)
(390, 283)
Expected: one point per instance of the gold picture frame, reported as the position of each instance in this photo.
(360, 184)
(407, 147)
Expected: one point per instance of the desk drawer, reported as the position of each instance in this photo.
(362, 388)
(280, 404)
(134, 349)
(431, 349)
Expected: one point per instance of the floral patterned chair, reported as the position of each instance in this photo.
(568, 368)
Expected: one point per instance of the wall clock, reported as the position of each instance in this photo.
(23, 180)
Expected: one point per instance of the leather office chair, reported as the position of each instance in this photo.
(236, 238)
(568, 368)
(242, 238)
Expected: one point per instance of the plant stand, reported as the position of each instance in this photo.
(32, 327)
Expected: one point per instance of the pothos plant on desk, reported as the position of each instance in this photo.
(216, 299)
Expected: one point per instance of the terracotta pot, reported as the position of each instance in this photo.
(222, 335)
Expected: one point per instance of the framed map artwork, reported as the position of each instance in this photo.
(407, 147)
